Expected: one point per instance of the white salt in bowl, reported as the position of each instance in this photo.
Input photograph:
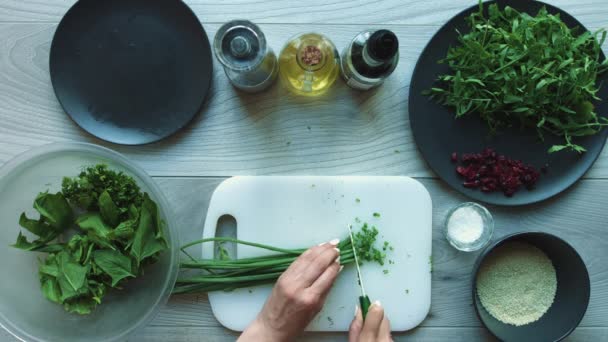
(481, 238)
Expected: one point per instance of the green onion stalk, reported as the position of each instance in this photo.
(232, 274)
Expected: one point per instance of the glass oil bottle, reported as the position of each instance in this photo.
(370, 58)
(249, 63)
(309, 64)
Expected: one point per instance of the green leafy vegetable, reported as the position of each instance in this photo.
(84, 191)
(118, 232)
(115, 264)
(55, 210)
(226, 274)
(513, 69)
(109, 211)
(148, 239)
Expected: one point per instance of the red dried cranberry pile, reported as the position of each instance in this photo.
(491, 172)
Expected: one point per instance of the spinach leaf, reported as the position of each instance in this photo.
(145, 243)
(109, 211)
(55, 210)
(50, 289)
(124, 231)
(92, 222)
(80, 305)
(72, 276)
(36, 246)
(37, 227)
(114, 263)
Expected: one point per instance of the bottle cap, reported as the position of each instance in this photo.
(240, 45)
(382, 45)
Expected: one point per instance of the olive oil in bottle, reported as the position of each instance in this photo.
(309, 64)
(370, 58)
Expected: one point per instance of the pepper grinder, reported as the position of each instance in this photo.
(249, 63)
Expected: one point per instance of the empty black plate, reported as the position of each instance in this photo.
(437, 133)
(131, 71)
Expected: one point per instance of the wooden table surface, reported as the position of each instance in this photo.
(343, 133)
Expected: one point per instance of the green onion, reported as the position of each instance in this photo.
(224, 274)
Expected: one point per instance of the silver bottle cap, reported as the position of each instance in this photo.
(240, 45)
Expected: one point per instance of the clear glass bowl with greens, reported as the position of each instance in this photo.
(24, 311)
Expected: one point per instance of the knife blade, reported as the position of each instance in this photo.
(364, 301)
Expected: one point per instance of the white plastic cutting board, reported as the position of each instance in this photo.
(297, 212)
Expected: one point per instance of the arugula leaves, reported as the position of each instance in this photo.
(514, 69)
(119, 231)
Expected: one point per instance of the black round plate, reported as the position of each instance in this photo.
(131, 71)
(437, 133)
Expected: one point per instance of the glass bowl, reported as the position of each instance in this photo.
(24, 311)
(486, 232)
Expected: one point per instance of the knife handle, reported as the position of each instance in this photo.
(365, 304)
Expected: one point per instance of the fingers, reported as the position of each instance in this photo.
(304, 260)
(315, 268)
(323, 284)
(355, 327)
(373, 321)
(384, 335)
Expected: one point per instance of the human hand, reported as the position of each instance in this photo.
(376, 328)
(298, 295)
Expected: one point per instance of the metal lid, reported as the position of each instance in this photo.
(240, 45)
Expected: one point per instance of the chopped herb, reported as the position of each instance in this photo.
(357, 200)
(397, 151)
(376, 214)
(331, 321)
(385, 271)
(407, 291)
(288, 143)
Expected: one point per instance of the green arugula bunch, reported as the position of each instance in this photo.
(515, 69)
(119, 231)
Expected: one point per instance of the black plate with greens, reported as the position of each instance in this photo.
(438, 134)
(131, 71)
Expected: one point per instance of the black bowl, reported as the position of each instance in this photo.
(571, 298)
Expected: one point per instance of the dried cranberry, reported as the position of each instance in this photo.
(490, 172)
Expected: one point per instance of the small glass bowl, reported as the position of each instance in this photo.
(486, 233)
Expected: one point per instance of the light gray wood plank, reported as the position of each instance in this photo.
(217, 334)
(345, 132)
(380, 12)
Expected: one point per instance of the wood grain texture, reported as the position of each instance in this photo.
(377, 12)
(345, 132)
(195, 334)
